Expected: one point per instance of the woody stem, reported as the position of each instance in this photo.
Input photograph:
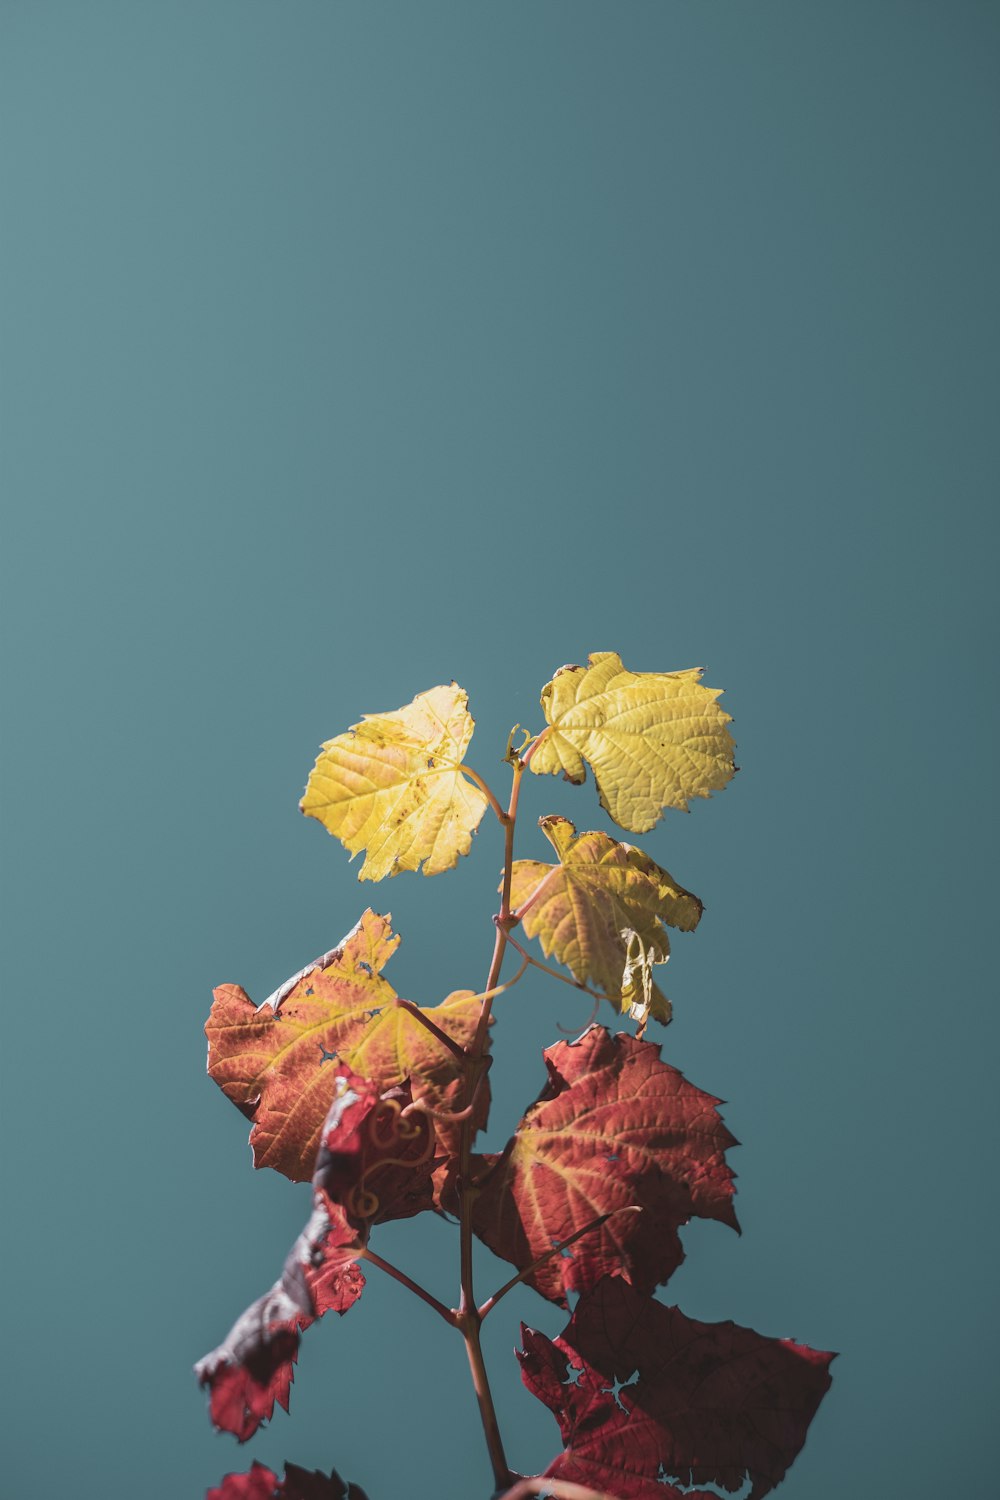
(409, 1283)
(468, 1317)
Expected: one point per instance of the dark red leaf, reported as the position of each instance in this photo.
(302, 1484)
(653, 1405)
(614, 1127)
(375, 1163)
(252, 1368)
(298, 1484)
(374, 1159)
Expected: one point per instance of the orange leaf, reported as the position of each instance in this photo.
(277, 1062)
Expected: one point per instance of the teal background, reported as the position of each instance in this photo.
(349, 348)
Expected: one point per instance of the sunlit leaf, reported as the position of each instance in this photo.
(614, 1127)
(652, 739)
(393, 786)
(277, 1062)
(583, 909)
(652, 1405)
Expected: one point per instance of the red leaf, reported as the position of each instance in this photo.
(374, 1159)
(252, 1368)
(614, 1127)
(653, 1405)
(302, 1484)
(259, 1484)
(298, 1484)
(333, 1277)
(374, 1163)
(274, 1060)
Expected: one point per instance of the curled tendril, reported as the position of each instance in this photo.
(385, 1127)
(575, 1030)
(362, 1203)
(512, 754)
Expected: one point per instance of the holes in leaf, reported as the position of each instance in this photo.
(616, 1389)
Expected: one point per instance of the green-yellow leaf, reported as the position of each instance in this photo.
(393, 786)
(598, 906)
(652, 739)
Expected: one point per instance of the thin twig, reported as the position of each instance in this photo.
(529, 901)
(487, 793)
(454, 1047)
(578, 1029)
(442, 1036)
(409, 1283)
(468, 1313)
(498, 989)
(547, 969)
(530, 749)
(557, 1249)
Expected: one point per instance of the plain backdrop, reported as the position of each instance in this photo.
(349, 348)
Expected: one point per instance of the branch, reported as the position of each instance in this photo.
(446, 1041)
(468, 1319)
(418, 1106)
(410, 1284)
(509, 1286)
(515, 793)
(529, 901)
(442, 1036)
(487, 793)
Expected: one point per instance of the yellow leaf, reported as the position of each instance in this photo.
(652, 739)
(393, 786)
(600, 901)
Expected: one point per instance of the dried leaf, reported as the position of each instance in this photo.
(640, 997)
(277, 1062)
(583, 909)
(253, 1366)
(653, 1405)
(393, 786)
(614, 1127)
(374, 1164)
(652, 739)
